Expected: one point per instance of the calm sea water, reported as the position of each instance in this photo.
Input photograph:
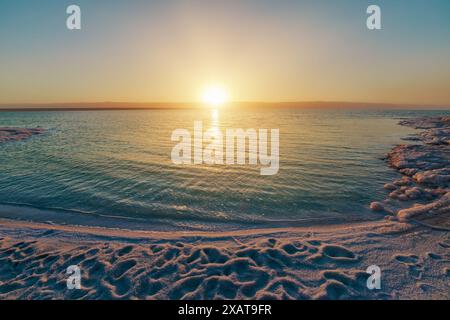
(98, 166)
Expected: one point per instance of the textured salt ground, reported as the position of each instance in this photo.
(320, 263)
(17, 134)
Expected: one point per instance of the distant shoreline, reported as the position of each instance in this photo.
(86, 109)
(111, 106)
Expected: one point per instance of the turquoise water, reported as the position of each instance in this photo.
(98, 166)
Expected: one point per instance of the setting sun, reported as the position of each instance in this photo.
(215, 96)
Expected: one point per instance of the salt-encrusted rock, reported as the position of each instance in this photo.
(403, 181)
(440, 206)
(435, 177)
(377, 206)
(408, 171)
(426, 170)
(394, 194)
(390, 186)
(17, 134)
(413, 193)
(427, 122)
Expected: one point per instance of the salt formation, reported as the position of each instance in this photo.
(422, 194)
(17, 134)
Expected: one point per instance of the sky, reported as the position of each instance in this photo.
(259, 50)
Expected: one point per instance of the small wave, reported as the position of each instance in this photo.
(55, 215)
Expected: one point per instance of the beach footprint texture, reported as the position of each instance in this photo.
(413, 263)
(257, 269)
(336, 254)
(225, 267)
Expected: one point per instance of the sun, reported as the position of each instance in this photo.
(215, 96)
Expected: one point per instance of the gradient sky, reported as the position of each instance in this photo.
(261, 50)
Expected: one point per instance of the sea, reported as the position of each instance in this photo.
(114, 168)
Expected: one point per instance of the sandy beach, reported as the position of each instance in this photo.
(410, 245)
(311, 263)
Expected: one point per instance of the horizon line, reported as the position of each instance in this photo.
(115, 105)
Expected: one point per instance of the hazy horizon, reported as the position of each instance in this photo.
(111, 105)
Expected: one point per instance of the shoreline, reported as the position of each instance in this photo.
(27, 213)
(162, 234)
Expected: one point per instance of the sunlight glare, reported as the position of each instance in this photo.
(215, 96)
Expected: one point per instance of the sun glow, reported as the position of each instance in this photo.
(215, 96)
